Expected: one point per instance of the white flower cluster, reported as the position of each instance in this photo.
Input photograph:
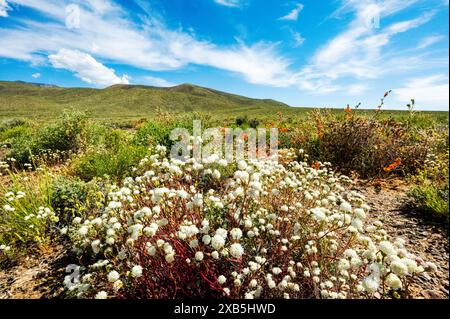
(4, 167)
(255, 229)
(12, 204)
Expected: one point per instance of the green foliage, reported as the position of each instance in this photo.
(72, 196)
(154, 133)
(254, 123)
(26, 213)
(431, 200)
(10, 124)
(114, 160)
(124, 102)
(430, 191)
(10, 134)
(157, 132)
(63, 136)
(241, 120)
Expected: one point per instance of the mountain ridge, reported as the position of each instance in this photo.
(23, 99)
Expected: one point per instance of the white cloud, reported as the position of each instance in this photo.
(258, 64)
(429, 41)
(151, 45)
(407, 25)
(356, 89)
(107, 34)
(360, 51)
(86, 68)
(367, 8)
(4, 8)
(293, 15)
(51, 8)
(298, 39)
(228, 3)
(101, 6)
(429, 92)
(36, 75)
(155, 81)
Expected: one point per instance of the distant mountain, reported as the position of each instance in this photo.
(44, 85)
(21, 99)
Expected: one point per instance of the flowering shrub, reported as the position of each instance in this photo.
(4, 167)
(255, 229)
(362, 144)
(26, 213)
(52, 143)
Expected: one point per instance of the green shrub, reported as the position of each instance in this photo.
(241, 120)
(68, 196)
(26, 214)
(430, 191)
(23, 146)
(430, 199)
(15, 132)
(11, 123)
(95, 134)
(154, 133)
(366, 145)
(254, 123)
(115, 163)
(63, 137)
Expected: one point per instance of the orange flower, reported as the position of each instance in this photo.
(348, 109)
(316, 165)
(393, 166)
(319, 128)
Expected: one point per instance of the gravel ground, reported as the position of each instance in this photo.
(426, 239)
(37, 276)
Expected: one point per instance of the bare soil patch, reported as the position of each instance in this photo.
(427, 239)
(38, 276)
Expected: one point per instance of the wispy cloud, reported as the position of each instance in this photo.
(151, 45)
(293, 15)
(228, 3)
(365, 8)
(359, 51)
(106, 34)
(36, 75)
(155, 81)
(429, 41)
(429, 92)
(356, 89)
(86, 68)
(298, 39)
(4, 8)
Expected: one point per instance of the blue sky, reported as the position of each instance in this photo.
(305, 53)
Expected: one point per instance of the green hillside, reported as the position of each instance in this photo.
(120, 103)
(19, 99)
